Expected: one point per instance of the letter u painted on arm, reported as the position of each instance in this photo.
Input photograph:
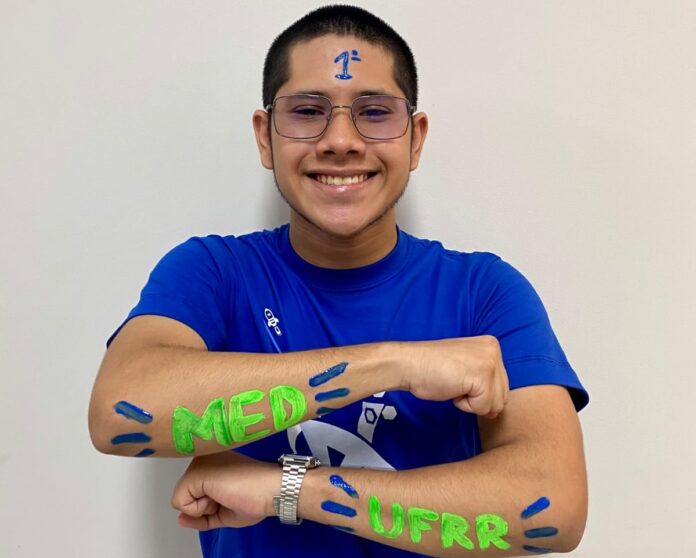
(186, 424)
(397, 528)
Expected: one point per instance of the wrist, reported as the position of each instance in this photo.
(294, 470)
(396, 360)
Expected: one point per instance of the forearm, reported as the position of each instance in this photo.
(470, 508)
(183, 402)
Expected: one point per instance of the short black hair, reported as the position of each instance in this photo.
(339, 19)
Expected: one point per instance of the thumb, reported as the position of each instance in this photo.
(473, 404)
(200, 523)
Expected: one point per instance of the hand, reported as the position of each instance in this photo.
(468, 370)
(226, 490)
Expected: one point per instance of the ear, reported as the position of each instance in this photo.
(260, 121)
(420, 130)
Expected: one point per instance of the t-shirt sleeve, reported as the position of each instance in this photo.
(189, 286)
(507, 307)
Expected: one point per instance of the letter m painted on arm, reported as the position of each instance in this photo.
(186, 425)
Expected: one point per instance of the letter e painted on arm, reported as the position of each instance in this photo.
(240, 422)
(298, 406)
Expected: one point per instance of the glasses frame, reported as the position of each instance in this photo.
(269, 109)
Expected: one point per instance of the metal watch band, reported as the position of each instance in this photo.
(294, 469)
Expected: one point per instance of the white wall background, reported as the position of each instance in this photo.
(563, 137)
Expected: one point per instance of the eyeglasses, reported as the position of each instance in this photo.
(378, 117)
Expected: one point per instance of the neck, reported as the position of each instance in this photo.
(337, 252)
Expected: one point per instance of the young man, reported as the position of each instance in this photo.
(341, 339)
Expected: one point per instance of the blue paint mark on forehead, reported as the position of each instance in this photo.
(346, 57)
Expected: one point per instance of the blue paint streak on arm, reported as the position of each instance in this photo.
(132, 438)
(132, 412)
(342, 528)
(146, 452)
(338, 481)
(324, 395)
(335, 507)
(328, 374)
(325, 410)
(537, 549)
(541, 532)
(540, 505)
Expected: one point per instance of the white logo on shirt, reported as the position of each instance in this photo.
(321, 437)
(371, 413)
(354, 451)
(272, 321)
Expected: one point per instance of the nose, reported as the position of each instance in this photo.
(341, 136)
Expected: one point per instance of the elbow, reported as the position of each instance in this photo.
(575, 531)
(99, 430)
(573, 521)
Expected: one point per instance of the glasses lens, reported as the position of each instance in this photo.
(301, 116)
(381, 116)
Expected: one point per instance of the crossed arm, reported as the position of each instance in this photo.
(526, 494)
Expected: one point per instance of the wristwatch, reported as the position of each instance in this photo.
(294, 469)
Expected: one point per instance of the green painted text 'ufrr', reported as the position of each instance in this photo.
(490, 528)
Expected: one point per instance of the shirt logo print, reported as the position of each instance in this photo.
(272, 322)
(371, 413)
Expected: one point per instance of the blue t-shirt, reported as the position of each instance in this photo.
(253, 293)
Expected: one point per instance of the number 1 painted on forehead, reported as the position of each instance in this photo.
(346, 57)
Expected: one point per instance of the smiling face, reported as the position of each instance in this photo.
(340, 185)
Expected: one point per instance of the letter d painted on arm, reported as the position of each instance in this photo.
(278, 396)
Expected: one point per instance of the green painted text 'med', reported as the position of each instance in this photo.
(233, 427)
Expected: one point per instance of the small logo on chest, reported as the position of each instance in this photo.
(272, 322)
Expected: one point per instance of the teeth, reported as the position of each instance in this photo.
(341, 180)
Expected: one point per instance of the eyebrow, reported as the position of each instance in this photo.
(325, 94)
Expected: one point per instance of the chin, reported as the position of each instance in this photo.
(342, 230)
